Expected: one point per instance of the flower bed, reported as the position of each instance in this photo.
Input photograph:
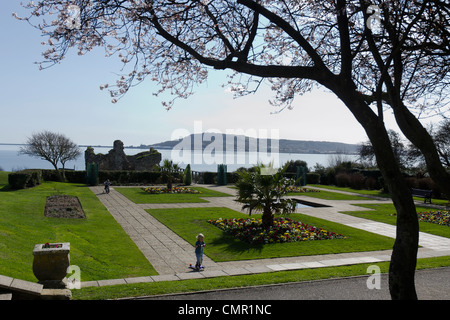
(438, 217)
(283, 230)
(158, 190)
(301, 189)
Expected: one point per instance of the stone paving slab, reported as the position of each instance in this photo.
(26, 287)
(111, 282)
(170, 254)
(5, 282)
(191, 275)
(5, 296)
(165, 277)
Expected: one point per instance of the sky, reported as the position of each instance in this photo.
(67, 99)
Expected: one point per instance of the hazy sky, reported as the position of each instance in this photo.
(66, 98)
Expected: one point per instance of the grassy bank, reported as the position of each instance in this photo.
(188, 222)
(99, 246)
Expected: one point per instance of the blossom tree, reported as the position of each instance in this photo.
(376, 56)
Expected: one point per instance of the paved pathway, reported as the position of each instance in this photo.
(170, 254)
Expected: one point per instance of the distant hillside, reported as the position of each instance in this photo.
(243, 143)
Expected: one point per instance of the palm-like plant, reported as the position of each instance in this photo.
(168, 170)
(263, 190)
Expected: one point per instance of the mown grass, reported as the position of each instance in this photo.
(167, 287)
(386, 213)
(376, 193)
(328, 195)
(188, 222)
(102, 250)
(137, 195)
(98, 244)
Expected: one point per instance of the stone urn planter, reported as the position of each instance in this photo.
(50, 264)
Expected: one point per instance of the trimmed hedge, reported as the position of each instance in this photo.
(313, 178)
(123, 177)
(25, 179)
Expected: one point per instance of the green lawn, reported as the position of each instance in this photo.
(188, 222)
(102, 250)
(329, 195)
(3, 178)
(137, 195)
(376, 193)
(217, 283)
(386, 213)
(98, 245)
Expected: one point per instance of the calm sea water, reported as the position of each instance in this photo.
(10, 160)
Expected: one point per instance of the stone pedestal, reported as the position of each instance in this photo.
(50, 264)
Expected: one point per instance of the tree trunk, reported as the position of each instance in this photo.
(63, 173)
(418, 135)
(404, 253)
(60, 177)
(267, 217)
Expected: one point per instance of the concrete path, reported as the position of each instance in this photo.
(170, 254)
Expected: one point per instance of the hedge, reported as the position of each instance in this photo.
(25, 179)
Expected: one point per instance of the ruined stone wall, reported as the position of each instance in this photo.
(116, 159)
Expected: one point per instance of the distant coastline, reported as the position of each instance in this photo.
(200, 160)
(282, 145)
(239, 143)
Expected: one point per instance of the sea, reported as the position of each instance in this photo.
(12, 160)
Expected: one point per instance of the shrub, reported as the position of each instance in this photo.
(356, 181)
(313, 178)
(342, 180)
(232, 177)
(209, 177)
(424, 183)
(72, 176)
(123, 177)
(25, 179)
(372, 184)
(187, 175)
(18, 180)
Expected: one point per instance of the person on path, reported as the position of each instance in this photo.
(199, 245)
(107, 184)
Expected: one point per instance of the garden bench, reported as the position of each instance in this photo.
(426, 194)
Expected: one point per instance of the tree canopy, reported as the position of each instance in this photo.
(53, 147)
(292, 44)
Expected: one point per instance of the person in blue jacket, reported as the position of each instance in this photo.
(199, 245)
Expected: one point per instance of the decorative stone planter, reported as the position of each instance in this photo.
(50, 264)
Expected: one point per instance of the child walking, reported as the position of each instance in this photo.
(107, 184)
(199, 250)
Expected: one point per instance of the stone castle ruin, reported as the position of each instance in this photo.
(116, 159)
